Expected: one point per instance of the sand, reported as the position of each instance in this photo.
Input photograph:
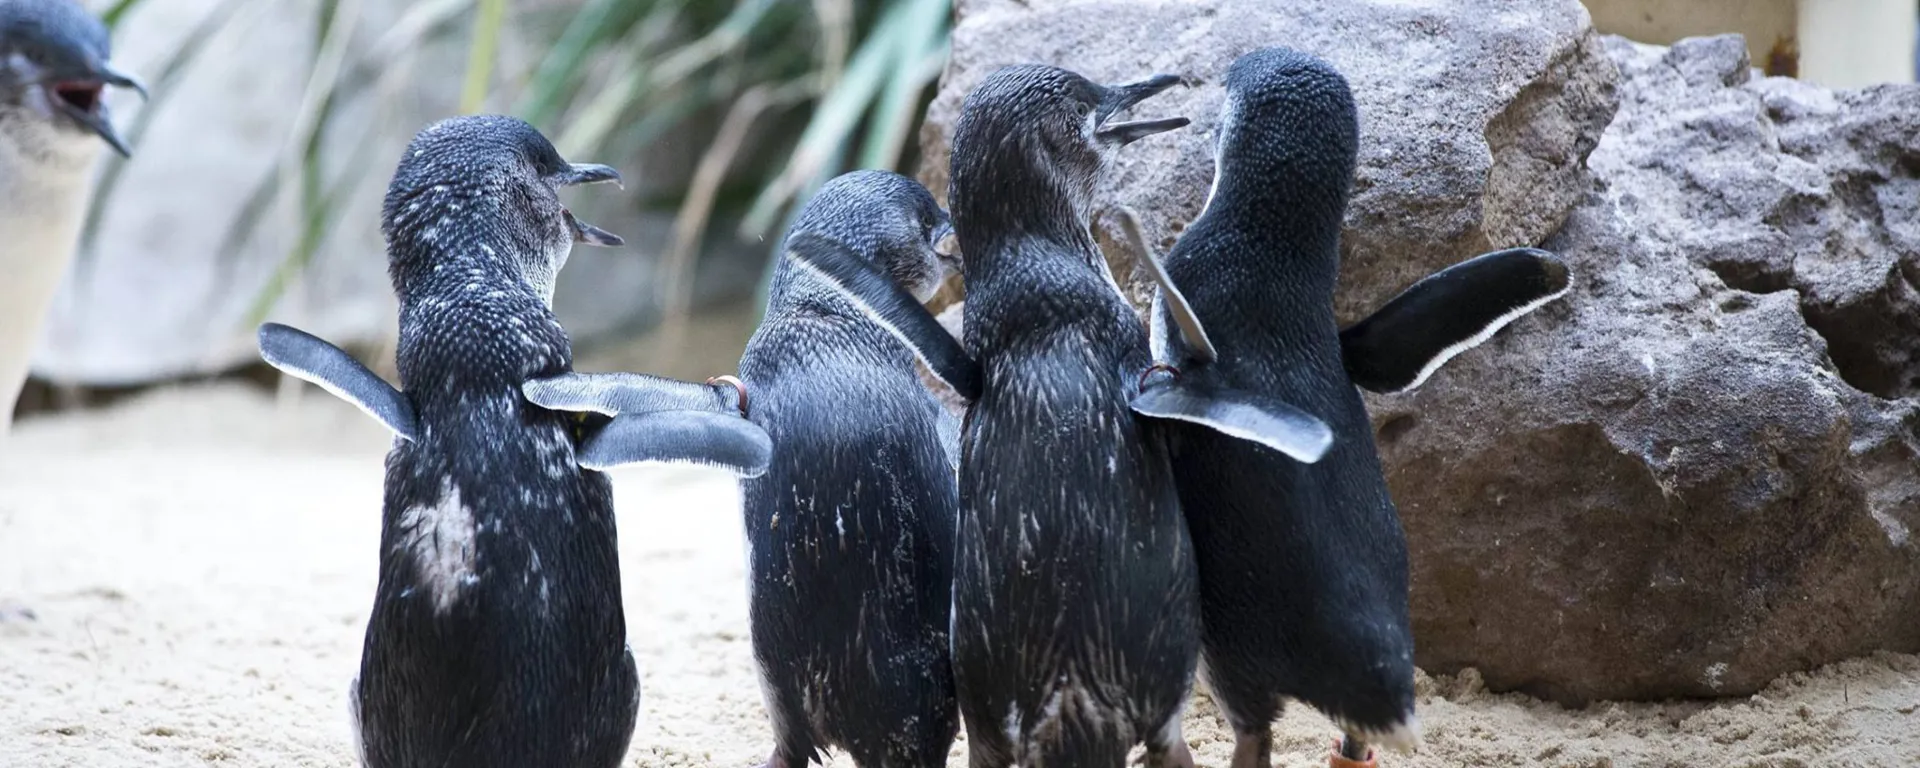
(184, 579)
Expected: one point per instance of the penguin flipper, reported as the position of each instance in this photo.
(613, 394)
(1256, 418)
(680, 437)
(1446, 313)
(1198, 345)
(892, 307)
(948, 426)
(310, 358)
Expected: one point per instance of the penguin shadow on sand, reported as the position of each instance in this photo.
(850, 532)
(1301, 561)
(497, 635)
(54, 71)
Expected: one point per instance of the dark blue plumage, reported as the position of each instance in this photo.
(1448, 312)
(1303, 567)
(850, 530)
(497, 636)
(1075, 619)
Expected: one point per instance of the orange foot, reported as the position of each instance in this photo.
(1339, 760)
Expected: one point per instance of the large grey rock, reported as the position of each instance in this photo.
(1664, 485)
(1474, 116)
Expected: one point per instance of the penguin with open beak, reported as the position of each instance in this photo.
(1076, 621)
(54, 68)
(497, 635)
(54, 71)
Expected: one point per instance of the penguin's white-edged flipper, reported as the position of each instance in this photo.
(310, 358)
(1256, 418)
(680, 437)
(1446, 313)
(1199, 347)
(892, 307)
(948, 426)
(614, 394)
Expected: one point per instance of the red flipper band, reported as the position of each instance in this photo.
(1156, 367)
(738, 386)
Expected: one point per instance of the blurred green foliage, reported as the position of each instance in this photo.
(618, 77)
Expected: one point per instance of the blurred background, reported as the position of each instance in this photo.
(258, 165)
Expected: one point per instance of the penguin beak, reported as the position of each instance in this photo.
(588, 234)
(81, 100)
(112, 76)
(578, 174)
(946, 246)
(1118, 98)
(945, 242)
(589, 173)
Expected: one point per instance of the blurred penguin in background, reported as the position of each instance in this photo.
(54, 72)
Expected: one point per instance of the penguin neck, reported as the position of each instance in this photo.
(472, 329)
(1012, 236)
(798, 295)
(1290, 217)
(1277, 259)
(462, 253)
(797, 292)
(45, 178)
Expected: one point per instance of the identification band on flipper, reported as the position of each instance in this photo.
(738, 387)
(1157, 368)
(657, 420)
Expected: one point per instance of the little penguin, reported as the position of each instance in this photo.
(497, 635)
(1303, 566)
(53, 74)
(1075, 616)
(850, 531)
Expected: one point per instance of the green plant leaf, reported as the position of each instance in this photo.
(114, 13)
(623, 75)
(920, 55)
(596, 22)
(834, 120)
(486, 41)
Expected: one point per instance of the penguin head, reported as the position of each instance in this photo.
(487, 187)
(890, 217)
(54, 72)
(1289, 134)
(1032, 140)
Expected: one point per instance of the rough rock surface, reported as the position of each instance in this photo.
(1699, 471)
(1702, 469)
(1474, 116)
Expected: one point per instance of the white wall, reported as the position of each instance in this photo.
(1854, 43)
(1842, 43)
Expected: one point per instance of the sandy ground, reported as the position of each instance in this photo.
(184, 580)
